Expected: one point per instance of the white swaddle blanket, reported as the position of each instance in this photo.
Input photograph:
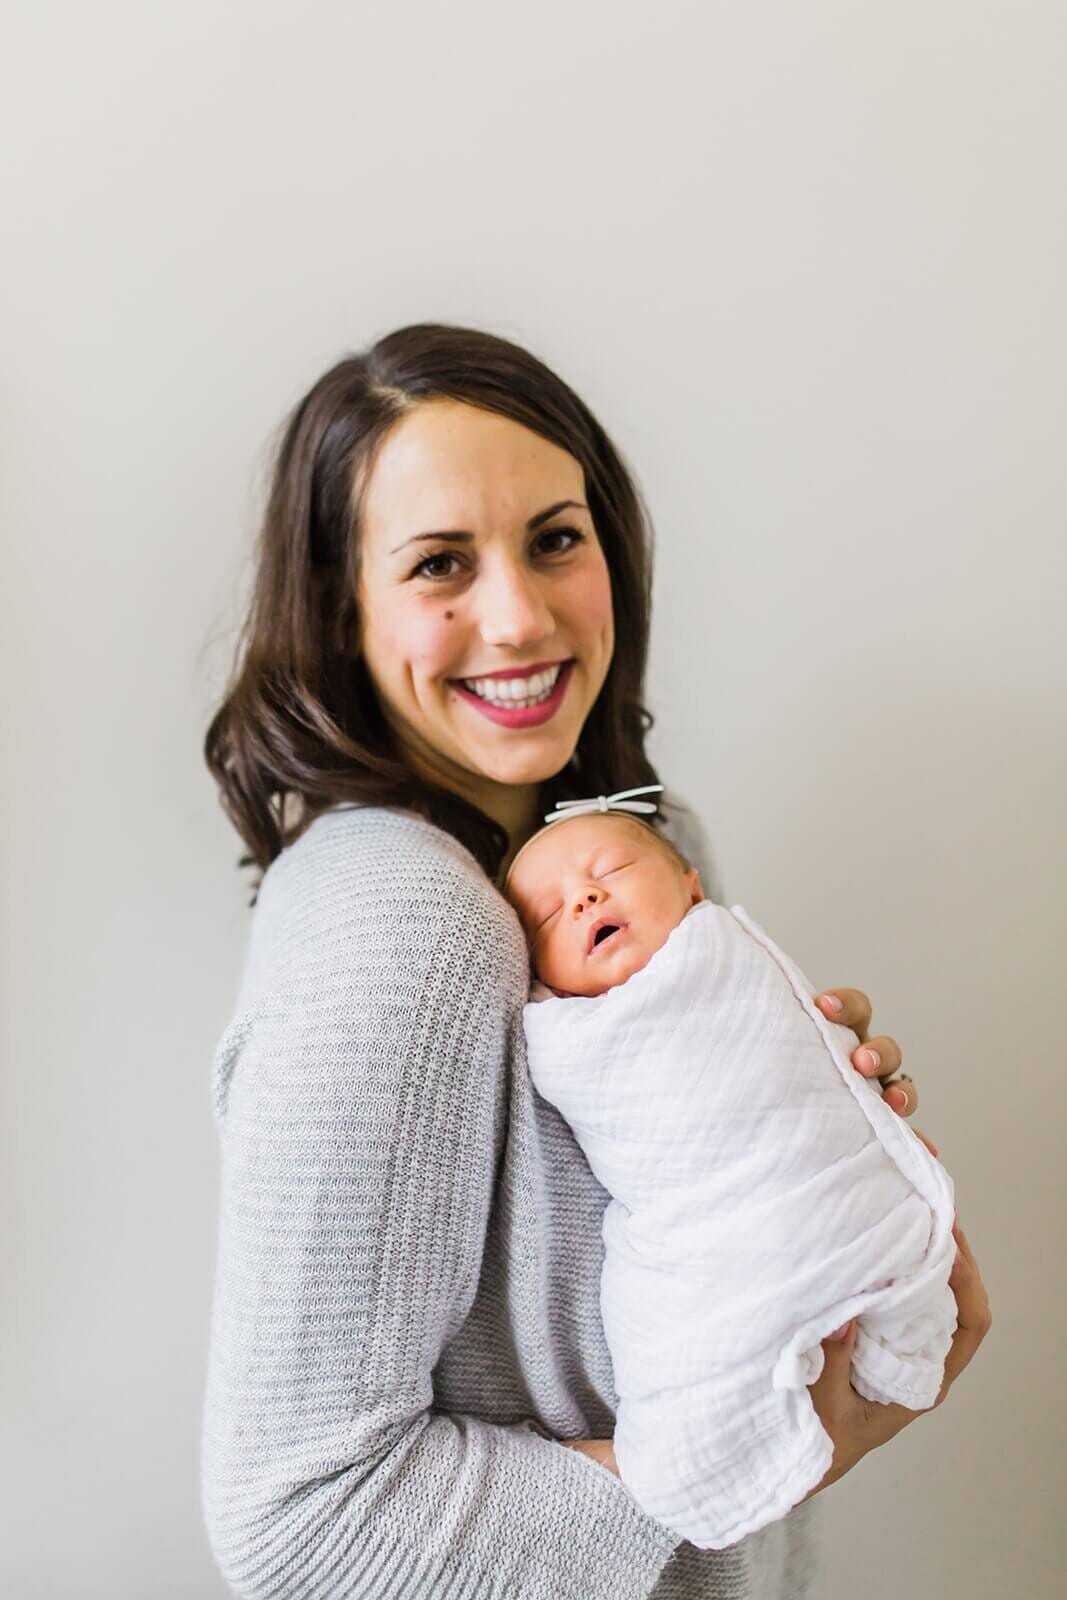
(762, 1195)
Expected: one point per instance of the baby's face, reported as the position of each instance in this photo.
(592, 873)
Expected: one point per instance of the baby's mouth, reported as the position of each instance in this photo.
(602, 932)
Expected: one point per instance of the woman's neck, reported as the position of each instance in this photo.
(515, 808)
(512, 805)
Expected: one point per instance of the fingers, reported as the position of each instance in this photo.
(878, 1057)
(901, 1095)
(854, 1011)
(833, 1384)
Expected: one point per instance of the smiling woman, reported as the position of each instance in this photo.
(401, 1329)
(406, 1322)
(518, 596)
(447, 521)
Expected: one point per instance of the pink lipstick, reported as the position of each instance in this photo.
(513, 717)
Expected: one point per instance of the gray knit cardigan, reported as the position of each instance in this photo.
(406, 1309)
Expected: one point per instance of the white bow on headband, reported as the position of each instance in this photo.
(619, 801)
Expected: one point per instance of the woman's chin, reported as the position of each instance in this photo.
(522, 768)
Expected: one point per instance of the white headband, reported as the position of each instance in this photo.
(605, 802)
(620, 801)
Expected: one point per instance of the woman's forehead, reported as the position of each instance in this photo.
(449, 460)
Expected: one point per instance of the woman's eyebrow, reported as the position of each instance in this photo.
(462, 536)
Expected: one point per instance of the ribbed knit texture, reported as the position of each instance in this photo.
(406, 1309)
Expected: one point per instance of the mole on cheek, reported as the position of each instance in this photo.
(448, 616)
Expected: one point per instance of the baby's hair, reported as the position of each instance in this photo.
(665, 843)
(672, 850)
(661, 839)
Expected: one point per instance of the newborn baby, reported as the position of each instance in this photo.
(762, 1193)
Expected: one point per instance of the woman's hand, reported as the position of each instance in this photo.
(602, 1450)
(856, 1425)
(876, 1058)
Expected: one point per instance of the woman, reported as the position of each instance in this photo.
(406, 1325)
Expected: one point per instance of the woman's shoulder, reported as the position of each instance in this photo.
(372, 839)
(381, 878)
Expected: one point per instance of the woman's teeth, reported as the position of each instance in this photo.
(518, 692)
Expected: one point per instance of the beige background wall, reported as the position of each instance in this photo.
(807, 262)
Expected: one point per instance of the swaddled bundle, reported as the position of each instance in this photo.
(762, 1195)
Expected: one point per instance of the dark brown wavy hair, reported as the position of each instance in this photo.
(299, 728)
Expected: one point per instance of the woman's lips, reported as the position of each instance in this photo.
(511, 717)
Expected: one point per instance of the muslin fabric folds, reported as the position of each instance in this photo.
(762, 1193)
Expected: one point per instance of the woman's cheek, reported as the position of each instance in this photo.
(591, 625)
(429, 641)
(591, 590)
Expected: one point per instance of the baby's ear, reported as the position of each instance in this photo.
(692, 884)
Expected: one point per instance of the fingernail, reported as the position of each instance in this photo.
(873, 1058)
(832, 1001)
(899, 1100)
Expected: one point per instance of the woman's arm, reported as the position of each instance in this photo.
(361, 1102)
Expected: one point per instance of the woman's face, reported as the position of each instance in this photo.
(455, 584)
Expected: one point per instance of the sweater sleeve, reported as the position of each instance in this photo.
(360, 1098)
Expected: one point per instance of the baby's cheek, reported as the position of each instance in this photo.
(553, 966)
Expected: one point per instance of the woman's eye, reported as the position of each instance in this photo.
(447, 555)
(442, 555)
(570, 533)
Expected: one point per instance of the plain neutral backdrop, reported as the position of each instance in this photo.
(807, 264)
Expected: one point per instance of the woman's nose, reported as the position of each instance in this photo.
(514, 611)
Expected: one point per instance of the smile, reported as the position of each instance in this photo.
(510, 702)
(518, 692)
